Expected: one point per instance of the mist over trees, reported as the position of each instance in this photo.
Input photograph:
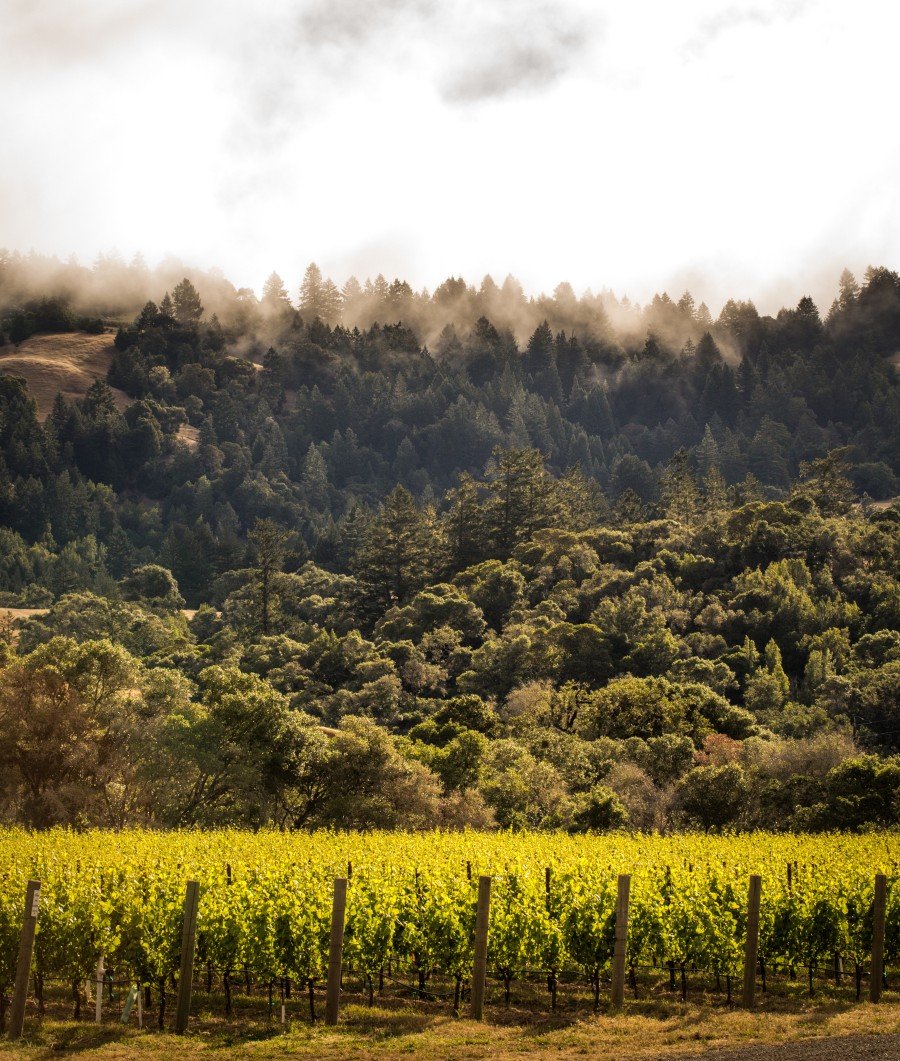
(460, 558)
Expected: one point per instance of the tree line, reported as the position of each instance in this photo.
(442, 577)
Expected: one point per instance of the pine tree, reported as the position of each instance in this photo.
(707, 453)
(765, 456)
(148, 316)
(540, 349)
(581, 501)
(406, 461)
(331, 303)
(275, 295)
(715, 495)
(686, 305)
(523, 498)
(707, 356)
(186, 302)
(464, 524)
(396, 554)
(314, 481)
(268, 542)
(827, 482)
(312, 294)
(679, 496)
(629, 508)
(99, 403)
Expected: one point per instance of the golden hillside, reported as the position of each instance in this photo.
(64, 364)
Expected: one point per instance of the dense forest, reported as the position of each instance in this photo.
(453, 558)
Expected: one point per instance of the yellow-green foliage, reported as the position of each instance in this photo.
(265, 900)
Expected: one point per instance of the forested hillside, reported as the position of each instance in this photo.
(459, 558)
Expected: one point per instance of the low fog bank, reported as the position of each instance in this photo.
(115, 291)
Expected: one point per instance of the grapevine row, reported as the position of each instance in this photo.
(266, 902)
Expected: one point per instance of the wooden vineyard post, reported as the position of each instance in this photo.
(479, 972)
(335, 950)
(186, 975)
(621, 944)
(751, 948)
(878, 919)
(99, 977)
(23, 966)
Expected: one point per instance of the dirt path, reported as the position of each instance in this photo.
(834, 1048)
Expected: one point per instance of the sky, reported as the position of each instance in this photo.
(743, 150)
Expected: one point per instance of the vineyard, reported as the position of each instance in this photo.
(116, 902)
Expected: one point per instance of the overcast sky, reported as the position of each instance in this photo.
(749, 149)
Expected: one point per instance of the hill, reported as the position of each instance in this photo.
(64, 364)
(68, 364)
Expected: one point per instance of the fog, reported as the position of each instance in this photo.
(738, 151)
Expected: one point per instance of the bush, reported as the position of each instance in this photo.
(601, 811)
(712, 797)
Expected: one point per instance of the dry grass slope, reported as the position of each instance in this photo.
(68, 364)
(60, 364)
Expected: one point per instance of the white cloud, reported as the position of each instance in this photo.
(633, 145)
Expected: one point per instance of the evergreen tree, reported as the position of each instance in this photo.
(396, 554)
(268, 542)
(275, 296)
(522, 499)
(679, 496)
(715, 495)
(314, 481)
(826, 481)
(319, 297)
(186, 302)
(463, 524)
(540, 349)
